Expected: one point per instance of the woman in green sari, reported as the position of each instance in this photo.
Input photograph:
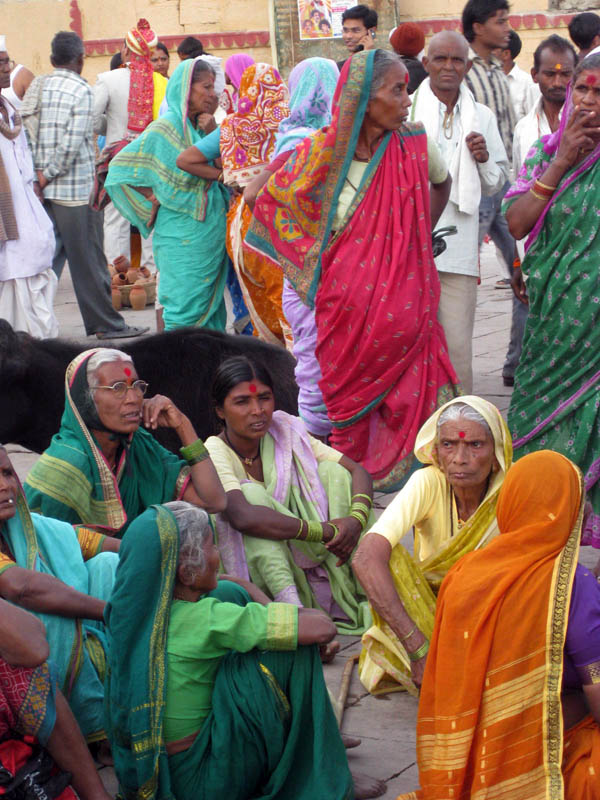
(556, 202)
(102, 468)
(210, 691)
(65, 577)
(186, 214)
(296, 508)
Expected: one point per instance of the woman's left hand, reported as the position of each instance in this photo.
(161, 412)
(344, 544)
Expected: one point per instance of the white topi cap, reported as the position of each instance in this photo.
(2, 44)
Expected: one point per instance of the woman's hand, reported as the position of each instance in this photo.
(161, 412)
(411, 644)
(349, 533)
(518, 286)
(576, 138)
(206, 122)
(417, 670)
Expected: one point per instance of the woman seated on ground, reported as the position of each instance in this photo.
(516, 641)
(221, 646)
(65, 577)
(452, 506)
(31, 703)
(101, 468)
(295, 507)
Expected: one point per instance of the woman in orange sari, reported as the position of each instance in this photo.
(509, 704)
(245, 144)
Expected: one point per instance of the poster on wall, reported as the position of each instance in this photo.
(322, 19)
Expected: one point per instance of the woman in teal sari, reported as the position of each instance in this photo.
(187, 214)
(102, 469)
(556, 203)
(210, 690)
(65, 577)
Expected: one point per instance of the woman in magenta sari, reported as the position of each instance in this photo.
(349, 218)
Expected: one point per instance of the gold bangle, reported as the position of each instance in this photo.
(418, 654)
(539, 196)
(545, 186)
(408, 635)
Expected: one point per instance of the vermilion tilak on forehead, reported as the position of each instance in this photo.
(252, 388)
(462, 434)
(127, 371)
(406, 79)
(591, 79)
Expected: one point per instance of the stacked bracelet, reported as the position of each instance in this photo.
(361, 510)
(408, 635)
(336, 532)
(539, 196)
(195, 452)
(315, 532)
(418, 654)
(300, 530)
(544, 189)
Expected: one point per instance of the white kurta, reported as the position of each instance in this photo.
(27, 282)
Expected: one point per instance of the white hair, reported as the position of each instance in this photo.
(105, 355)
(194, 532)
(458, 411)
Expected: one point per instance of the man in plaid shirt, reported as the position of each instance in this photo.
(64, 162)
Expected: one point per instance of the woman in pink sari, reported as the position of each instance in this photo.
(349, 218)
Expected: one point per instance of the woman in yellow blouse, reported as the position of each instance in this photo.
(452, 505)
(65, 577)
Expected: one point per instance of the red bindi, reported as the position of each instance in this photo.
(406, 79)
(127, 371)
(462, 434)
(252, 388)
(591, 79)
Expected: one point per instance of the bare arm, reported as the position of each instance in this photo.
(349, 528)
(196, 163)
(22, 636)
(38, 591)
(259, 521)
(22, 82)
(371, 566)
(110, 545)
(253, 188)
(439, 196)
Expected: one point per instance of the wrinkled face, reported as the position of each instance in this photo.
(389, 108)
(447, 64)
(5, 69)
(160, 62)
(494, 32)
(8, 488)
(353, 30)
(248, 409)
(586, 95)
(465, 453)
(203, 98)
(206, 579)
(118, 414)
(555, 72)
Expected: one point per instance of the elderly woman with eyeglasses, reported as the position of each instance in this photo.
(103, 468)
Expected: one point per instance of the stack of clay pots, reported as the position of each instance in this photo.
(130, 285)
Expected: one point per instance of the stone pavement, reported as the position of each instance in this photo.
(386, 725)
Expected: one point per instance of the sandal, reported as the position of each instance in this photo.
(122, 333)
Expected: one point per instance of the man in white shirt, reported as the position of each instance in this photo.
(584, 30)
(467, 135)
(122, 110)
(522, 91)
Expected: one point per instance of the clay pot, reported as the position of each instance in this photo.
(121, 264)
(119, 279)
(141, 282)
(137, 297)
(111, 269)
(117, 300)
(145, 272)
(132, 275)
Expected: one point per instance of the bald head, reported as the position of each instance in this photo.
(445, 39)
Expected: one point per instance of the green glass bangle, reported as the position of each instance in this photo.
(300, 529)
(315, 532)
(192, 461)
(360, 519)
(195, 452)
(336, 532)
(418, 654)
(360, 508)
(408, 635)
(366, 496)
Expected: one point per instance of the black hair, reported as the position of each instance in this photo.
(480, 11)
(163, 47)
(367, 15)
(514, 44)
(324, 22)
(589, 62)
(191, 47)
(315, 11)
(583, 28)
(199, 67)
(66, 48)
(555, 43)
(116, 60)
(234, 370)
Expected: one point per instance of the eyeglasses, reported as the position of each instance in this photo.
(120, 388)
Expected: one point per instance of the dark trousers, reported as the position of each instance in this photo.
(79, 240)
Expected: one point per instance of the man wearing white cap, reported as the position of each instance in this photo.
(125, 102)
(27, 282)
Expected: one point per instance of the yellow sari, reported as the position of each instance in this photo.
(384, 665)
(490, 715)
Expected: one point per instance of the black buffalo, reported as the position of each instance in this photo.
(179, 364)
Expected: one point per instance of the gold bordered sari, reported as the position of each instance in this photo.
(384, 665)
(490, 721)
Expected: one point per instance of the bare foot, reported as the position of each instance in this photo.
(329, 652)
(365, 787)
(350, 741)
